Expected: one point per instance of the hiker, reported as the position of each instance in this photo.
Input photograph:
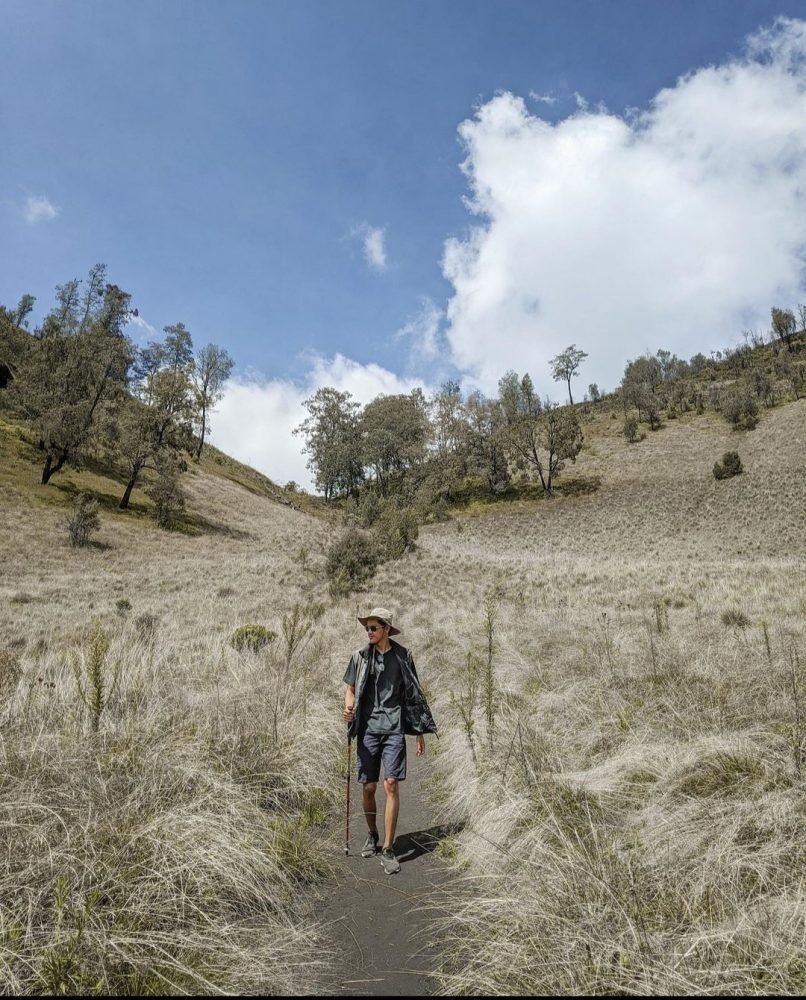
(383, 703)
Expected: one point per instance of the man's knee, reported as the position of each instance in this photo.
(391, 786)
(370, 788)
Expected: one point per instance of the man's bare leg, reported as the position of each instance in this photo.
(370, 806)
(392, 788)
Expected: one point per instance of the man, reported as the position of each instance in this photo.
(384, 703)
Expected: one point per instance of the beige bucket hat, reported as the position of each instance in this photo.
(383, 615)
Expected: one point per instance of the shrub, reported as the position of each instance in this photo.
(252, 637)
(351, 561)
(731, 465)
(83, 520)
(123, 606)
(146, 625)
(168, 498)
(396, 531)
(740, 408)
(631, 429)
(735, 617)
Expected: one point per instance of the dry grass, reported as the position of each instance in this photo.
(635, 828)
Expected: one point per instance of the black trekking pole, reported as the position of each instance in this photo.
(347, 817)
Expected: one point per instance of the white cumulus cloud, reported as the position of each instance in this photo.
(675, 227)
(256, 417)
(39, 208)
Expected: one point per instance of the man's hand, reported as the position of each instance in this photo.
(420, 746)
(349, 713)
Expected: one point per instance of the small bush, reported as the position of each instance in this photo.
(252, 637)
(83, 520)
(740, 408)
(123, 606)
(351, 561)
(168, 497)
(731, 465)
(735, 617)
(146, 625)
(396, 531)
(630, 429)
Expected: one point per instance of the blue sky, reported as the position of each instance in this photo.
(285, 179)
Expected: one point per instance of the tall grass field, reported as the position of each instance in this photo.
(619, 674)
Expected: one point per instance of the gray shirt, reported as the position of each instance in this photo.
(382, 700)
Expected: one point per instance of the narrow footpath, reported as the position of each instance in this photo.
(378, 923)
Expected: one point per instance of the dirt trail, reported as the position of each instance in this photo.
(377, 922)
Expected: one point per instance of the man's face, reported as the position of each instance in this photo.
(376, 630)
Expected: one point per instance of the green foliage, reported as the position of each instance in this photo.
(332, 441)
(394, 431)
(631, 429)
(83, 520)
(396, 532)
(565, 366)
(739, 408)
(783, 324)
(168, 496)
(210, 370)
(731, 465)
(541, 437)
(80, 359)
(252, 638)
(351, 560)
(730, 774)
(93, 681)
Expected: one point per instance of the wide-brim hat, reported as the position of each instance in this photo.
(383, 615)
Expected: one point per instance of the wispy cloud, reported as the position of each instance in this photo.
(542, 98)
(373, 245)
(422, 331)
(143, 329)
(39, 208)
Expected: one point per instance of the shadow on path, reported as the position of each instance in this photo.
(410, 846)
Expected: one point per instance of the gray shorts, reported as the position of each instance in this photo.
(376, 748)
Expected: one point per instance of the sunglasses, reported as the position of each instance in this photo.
(374, 628)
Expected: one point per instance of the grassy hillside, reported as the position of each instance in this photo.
(630, 823)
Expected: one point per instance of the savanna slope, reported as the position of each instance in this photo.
(627, 774)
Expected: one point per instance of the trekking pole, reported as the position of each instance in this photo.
(347, 817)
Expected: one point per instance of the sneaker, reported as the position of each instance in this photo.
(370, 848)
(390, 863)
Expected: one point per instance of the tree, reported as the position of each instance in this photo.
(211, 370)
(783, 324)
(594, 393)
(543, 439)
(565, 366)
(639, 388)
(80, 358)
(332, 441)
(486, 427)
(449, 459)
(24, 307)
(153, 425)
(394, 434)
